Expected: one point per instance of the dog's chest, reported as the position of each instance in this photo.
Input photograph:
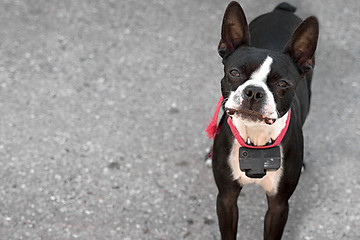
(269, 182)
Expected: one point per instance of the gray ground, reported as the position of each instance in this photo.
(103, 106)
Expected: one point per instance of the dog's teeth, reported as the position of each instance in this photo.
(248, 141)
(270, 141)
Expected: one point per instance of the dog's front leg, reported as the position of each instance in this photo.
(227, 210)
(275, 218)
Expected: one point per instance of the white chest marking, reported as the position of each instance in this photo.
(269, 182)
(259, 133)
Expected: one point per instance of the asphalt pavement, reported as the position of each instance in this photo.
(103, 106)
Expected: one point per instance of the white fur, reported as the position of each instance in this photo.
(263, 71)
(259, 133)
(258, 79)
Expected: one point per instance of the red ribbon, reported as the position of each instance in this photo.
(212, 127)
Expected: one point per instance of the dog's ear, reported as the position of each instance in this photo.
(302, 45)
(234, 31)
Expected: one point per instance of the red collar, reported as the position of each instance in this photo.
(278, 140)
(212, 129)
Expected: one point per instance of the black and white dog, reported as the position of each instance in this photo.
(266, 97)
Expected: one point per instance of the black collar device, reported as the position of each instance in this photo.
(256, 161)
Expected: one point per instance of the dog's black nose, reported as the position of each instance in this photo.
(253, 92)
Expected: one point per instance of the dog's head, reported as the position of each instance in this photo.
(259, 85)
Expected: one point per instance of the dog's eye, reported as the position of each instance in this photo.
(235, 73)
(282, 84)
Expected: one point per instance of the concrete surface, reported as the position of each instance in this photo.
(103, 106)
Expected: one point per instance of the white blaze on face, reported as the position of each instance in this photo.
(258, 79)
(263, 71)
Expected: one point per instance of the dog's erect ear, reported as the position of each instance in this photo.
(234, 31)
(302, 45)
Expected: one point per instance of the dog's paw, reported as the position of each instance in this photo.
(208, 158)
(208, 162)
(303, 168)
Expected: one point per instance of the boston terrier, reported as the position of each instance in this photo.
(265, 97)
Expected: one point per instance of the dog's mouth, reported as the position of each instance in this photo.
(250, 114)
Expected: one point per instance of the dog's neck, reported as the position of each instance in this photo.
(259, 133)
